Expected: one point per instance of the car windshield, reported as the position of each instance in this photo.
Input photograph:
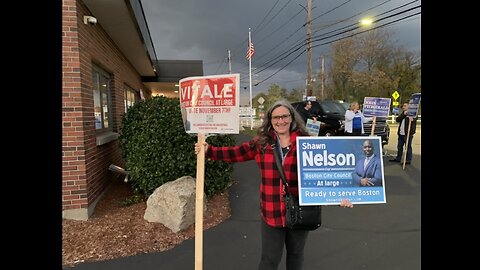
(333, 107)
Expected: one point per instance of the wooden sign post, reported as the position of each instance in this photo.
(373, 125)
(405, 147)
(199, 203)
(209, 105)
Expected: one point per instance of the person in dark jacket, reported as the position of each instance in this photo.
(306, 113)
(402, 132)
(282, 125)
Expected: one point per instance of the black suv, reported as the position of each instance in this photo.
(331, 113)
(381, 129)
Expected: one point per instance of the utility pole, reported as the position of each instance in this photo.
(322, 79)
(309, 49)
(229, 59)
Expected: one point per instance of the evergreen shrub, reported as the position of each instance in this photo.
(156, 148)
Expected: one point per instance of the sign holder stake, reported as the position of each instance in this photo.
(405, 147)
(199, 190)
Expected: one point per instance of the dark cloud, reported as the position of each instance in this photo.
(206, 29)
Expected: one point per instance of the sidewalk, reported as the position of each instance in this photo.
(373, 237)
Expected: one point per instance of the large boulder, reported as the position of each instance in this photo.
(173, 204)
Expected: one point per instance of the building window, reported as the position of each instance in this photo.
(130, 97)
(101, 99)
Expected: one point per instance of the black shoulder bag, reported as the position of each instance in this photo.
(297, 217)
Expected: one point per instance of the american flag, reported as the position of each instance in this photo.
(250, 51)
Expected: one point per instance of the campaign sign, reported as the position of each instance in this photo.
(334, 168)
(374, 106)
(313, 127)
(210, 104)
(413, 105)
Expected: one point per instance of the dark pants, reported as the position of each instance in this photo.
(273, 241)
(401, 143)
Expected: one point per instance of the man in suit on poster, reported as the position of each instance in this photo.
(368, 171)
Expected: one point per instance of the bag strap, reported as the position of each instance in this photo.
(276, 154)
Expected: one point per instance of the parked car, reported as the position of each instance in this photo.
(331, 114)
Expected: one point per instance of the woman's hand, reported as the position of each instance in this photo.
(197, 147)
(346, 203)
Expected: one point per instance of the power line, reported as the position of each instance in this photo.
(332, 41)
(299, 44)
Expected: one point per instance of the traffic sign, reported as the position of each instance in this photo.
(395, 95)
(395, 103)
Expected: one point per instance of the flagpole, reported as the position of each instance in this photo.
(250, 79)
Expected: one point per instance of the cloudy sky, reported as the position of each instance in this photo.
(206, 29)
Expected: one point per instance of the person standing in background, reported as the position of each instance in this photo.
(402, 131)
(354, 120)
(306, 113)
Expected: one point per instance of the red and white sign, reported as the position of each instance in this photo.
(210, 104)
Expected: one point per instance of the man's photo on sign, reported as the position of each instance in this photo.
(368, 169)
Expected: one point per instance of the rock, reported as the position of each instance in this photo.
(173, 204)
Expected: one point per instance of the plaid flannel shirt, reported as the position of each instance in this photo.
(271, 187)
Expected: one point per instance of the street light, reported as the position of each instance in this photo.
(366, 21)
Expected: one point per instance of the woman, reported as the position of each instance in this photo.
(281, 126)
(354, 120)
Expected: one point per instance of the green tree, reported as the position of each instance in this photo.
(157, 149)
(274, 93)
(296, 94)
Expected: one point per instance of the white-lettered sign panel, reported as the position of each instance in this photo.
(375, 106)
(210, 104)
(413, 105)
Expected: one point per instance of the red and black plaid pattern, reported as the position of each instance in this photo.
(271, 187)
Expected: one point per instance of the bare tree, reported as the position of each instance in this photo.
(344, 59)
(370, 65)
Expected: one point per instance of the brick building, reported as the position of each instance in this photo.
(108, 63)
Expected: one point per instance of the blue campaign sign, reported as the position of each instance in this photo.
(334, 168)
(374, 106)
(313, 127)
(396, 110)
(413, 105)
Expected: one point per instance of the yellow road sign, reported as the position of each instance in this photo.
(395, 95)
(395, 103)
